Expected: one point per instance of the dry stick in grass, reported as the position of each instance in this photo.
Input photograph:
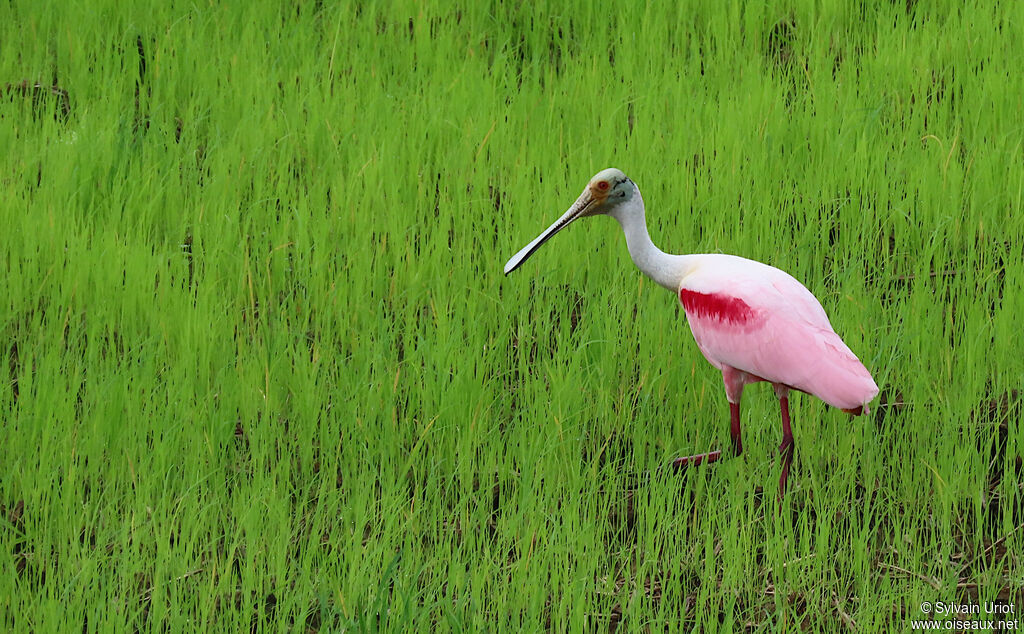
(148, 594)
(985, 553)
(843, 616)
(930, 581)
(1003, 538)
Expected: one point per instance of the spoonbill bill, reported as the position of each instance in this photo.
(752, 321)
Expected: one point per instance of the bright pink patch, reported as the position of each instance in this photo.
(716, 306)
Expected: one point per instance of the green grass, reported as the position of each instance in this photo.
(261, 368)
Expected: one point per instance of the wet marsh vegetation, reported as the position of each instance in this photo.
(260, 369)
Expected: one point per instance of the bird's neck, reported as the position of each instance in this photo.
(664, 268)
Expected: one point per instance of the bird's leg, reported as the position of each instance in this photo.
(734, 420)
(697, 459)
(786, 448)
(734, 380)
(714, 456)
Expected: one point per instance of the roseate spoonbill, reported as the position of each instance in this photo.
(750, 320)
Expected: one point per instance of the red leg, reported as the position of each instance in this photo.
(734, 419)
(715, 456)
(698, 459)
(786, 448)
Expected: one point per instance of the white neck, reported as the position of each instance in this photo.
(664, 268)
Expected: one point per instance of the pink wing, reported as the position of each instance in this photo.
(760, 320)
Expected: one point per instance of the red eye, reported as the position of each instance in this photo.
(603, 186)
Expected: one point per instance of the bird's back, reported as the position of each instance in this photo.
(761, 320)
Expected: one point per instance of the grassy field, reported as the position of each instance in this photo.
(261, 370)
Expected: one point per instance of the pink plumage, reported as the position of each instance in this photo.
(750, 320)
(757, 319)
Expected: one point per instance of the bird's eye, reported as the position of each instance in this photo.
(603, 186)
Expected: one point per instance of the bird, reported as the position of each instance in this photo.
(751, 321)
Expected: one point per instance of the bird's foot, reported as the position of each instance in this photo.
(693, 461)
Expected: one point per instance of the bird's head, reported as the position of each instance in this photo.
(608, 192)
